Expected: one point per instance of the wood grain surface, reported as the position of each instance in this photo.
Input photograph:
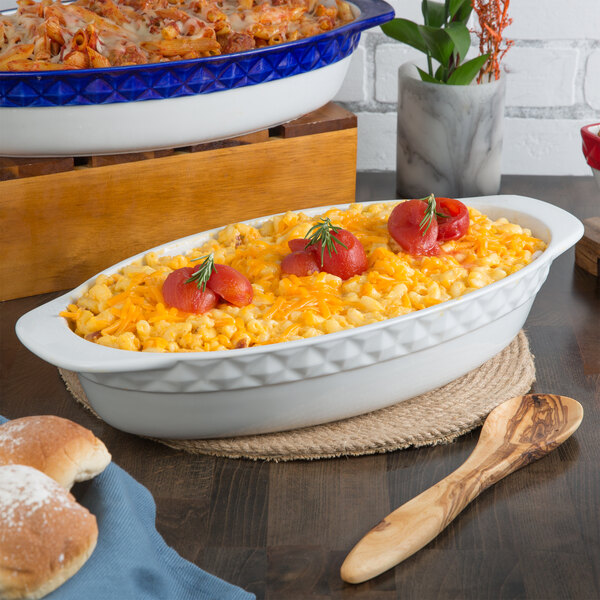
(104, 214)
(282, 530)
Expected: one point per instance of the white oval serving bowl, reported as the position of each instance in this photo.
(305, 382)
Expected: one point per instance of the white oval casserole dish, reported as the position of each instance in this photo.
(305, 382)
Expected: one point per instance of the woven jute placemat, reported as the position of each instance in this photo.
(438, 417)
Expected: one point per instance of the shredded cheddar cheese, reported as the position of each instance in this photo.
(126, 310)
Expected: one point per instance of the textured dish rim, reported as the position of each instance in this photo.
(63, 348)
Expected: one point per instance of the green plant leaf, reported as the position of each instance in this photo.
(434, 13)
(461, 37)
(455, 5)
(441, 74)
(438, 41)
(461, 10)
(464, 74)
(427, 77)
(405, 31)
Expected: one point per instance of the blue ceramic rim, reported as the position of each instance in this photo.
(174, 79)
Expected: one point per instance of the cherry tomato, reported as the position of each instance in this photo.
(404, 225)
(298, 244)
(187, 297)
(300, 263)
(231, 285)
(456, 224)
(346, 262)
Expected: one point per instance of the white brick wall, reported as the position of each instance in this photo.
(553, 87)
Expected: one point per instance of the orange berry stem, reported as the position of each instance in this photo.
(493, 20)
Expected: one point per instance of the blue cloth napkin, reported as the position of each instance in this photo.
(131, 560)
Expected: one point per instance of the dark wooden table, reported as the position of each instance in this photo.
(282, 530)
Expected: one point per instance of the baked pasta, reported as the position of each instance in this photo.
(127, 310)
(85, 34)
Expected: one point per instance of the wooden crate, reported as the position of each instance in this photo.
(64, 220)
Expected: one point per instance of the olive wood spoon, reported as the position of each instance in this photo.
(515, 433)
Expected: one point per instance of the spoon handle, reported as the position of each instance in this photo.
(417, 522)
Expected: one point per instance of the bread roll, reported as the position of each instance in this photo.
(45, 535)
(60, 448)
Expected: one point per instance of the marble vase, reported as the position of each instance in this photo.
(449, 137)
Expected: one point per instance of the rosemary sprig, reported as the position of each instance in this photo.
(324, 231)
(202, 275)
(430, 213)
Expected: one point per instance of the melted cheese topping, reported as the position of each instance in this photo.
(101, 33)
(127, 310)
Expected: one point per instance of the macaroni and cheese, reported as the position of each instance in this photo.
(49, 35)
(126, 310)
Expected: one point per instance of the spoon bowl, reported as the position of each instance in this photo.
(535, 419)
(516, 433)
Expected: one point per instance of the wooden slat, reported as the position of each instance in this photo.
(16, 168)
(330, 117)
(118, 159)
(240, 140)
(106, 214)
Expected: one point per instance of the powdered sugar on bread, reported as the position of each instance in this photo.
(9, 433)
(24, 491)
(45, 535)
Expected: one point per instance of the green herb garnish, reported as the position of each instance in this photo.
(202, 275)
(324, 231)
(430, 213)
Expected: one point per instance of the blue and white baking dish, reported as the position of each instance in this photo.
(174, 104)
